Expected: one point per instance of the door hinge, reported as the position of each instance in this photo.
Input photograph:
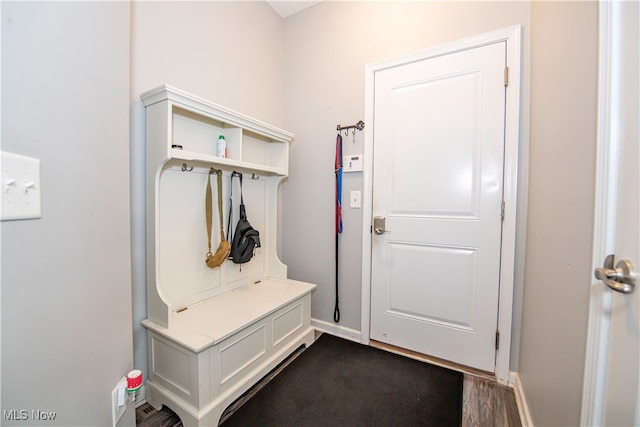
(497, 340)
(506, 76)
(502, 206)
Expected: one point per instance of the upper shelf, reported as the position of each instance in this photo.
(191, 127)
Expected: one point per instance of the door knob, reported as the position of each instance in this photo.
(620, 279)
(379, 225)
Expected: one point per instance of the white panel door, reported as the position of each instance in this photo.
(622, 403)
(438, 182)
(612, 376)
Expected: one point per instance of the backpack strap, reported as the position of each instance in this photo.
(219, 173)
(229, 231)
(209, 214)
(208, 210)
(243, 212)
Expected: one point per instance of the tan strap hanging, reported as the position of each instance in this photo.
(215, 260)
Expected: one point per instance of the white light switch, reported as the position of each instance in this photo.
(355, 199)
(20, 193)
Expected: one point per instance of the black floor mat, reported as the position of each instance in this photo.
(336, 382)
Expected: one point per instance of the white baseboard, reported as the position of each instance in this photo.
(521, 400)
(513, 377)
(337, 330)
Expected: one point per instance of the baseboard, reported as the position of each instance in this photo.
(521, 400)
(513, 377)
(337, 330)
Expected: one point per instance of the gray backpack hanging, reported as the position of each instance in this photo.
(246, 239)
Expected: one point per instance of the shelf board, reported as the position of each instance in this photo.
(232, 163)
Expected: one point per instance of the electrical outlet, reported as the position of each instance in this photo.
(119, 401)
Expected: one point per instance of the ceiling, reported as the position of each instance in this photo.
(286, 8)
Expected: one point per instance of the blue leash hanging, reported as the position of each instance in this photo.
(338, 171)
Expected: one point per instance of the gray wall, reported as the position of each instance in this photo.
(564, 52)
(66, 285)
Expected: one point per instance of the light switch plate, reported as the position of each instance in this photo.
(20, 194)
(355, 199)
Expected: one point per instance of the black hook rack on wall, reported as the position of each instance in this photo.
(359, 126)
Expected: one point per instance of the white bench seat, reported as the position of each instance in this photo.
(217, 349)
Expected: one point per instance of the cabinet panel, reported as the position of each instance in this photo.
(177, 369)
(183, 276)
(182, 237)
(239, 351)
(172, 365)
(287, 323)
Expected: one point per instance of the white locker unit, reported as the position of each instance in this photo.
(213, 333)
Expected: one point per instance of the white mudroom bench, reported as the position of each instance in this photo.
(213, 332)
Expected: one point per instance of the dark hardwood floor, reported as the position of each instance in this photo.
(485, 403)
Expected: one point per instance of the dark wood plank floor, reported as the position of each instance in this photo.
(485, 403)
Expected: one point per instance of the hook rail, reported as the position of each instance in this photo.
(359, 126)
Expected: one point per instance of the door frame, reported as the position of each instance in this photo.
(606, 190)
(515, 180)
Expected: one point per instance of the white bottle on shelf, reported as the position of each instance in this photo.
(222, 146)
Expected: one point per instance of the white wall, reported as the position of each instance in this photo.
(326, 50)
(228, 52)
(66, 286)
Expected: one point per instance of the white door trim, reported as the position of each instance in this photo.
(608, 141)
(512, 35)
